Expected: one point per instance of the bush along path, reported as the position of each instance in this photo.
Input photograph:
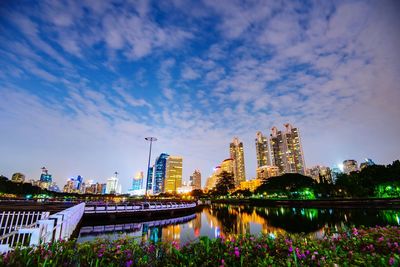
(377, 246)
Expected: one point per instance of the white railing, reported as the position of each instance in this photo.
(146, 206)
(58, 226)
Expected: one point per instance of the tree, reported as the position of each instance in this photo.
(225, 183)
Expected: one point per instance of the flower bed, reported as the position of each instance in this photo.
(377, 246)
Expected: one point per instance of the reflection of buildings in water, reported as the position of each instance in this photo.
(196, 224)
(171, 233)
(153, 234)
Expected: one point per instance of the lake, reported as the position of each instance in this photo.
(222, 220)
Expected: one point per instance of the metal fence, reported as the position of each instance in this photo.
(30, 228)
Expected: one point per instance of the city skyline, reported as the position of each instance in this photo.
(82, 84)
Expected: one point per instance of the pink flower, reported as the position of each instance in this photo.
(237, 253)
(391, 261)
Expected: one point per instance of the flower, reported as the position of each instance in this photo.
(237, 253)
(391, 261)
(129, 263)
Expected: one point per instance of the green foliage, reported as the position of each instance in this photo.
(366, 183)
(291, 185)
(377, 246)
(226, 182)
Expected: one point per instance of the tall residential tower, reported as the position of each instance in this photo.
(237, 155)
(286, 150)
(262, 150)
(173, 178)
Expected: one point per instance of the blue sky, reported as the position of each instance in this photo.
(83, 82)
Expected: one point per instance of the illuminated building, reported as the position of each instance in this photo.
(150, 180)
(69, 187)
(286, 150)
(112, 186)
(173, 178)
(262, 150)
(227, 166)
(137, 181)
(195, 180)
(320, 174)
(237, 154)
(45, 179)
(350, 165)
(250, 185)
(213, 179)
(265, 172)
(366, 163)
(160, 173)
(18, 177)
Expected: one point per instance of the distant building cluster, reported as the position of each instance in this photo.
(280, 153)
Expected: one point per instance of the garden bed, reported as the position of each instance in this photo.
(378, 246)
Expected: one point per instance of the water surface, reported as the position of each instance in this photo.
(221, 220)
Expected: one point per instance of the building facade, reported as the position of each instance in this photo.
(18, 177)
(112, 186)
(265, 172)
(262, 150)
(195, 180)
(160, 168)
(237, 155)
(350, 165)
(173, 179)
(286, 150)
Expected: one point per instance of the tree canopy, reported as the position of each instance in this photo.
(225, 183)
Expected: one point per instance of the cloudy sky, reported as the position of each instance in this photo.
(83, 82)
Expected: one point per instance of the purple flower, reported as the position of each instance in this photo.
(391, 261)
(129, 263)
(237, 253)
(290, 249)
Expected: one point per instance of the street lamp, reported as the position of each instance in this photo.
(151, 139)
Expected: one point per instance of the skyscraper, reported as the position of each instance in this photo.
(195, 180)
(262, 150)
(159, 173)
(286, 150)
(137, 181)
(150, 179)
(350, 165)
(173, 178)
(237, 154)
(113, 187)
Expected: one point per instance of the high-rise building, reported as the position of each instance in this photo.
(286, 150)
(262, 150)
(159, 173)
(150, 179)
(227, 166)
(45, 179)
(320, 174)
(212, 180)
(265, 172)
(366, 163)
(137, 181)
(195, 180)
(112, 186)
(173, 178)
(350, 165)
(18, 177)
(237, 154)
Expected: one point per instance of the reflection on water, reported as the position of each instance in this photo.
(221, 220)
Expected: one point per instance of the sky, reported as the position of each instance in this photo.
(82, 83)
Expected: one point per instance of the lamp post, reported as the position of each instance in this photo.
(151, 139)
